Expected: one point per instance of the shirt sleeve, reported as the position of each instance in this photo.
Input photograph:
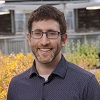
(10, 91)
(92, 90)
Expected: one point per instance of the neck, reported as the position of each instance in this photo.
(46, 69)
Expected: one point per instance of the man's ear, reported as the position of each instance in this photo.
(64, 38)
(28, 38)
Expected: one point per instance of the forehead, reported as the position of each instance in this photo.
(46, 24)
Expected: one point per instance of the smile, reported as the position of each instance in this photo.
(45, 50)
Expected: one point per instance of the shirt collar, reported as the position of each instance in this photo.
(60, 70)
(33, 70)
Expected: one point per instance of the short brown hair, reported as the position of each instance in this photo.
(46, 12)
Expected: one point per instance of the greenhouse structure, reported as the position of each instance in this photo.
(82, 19)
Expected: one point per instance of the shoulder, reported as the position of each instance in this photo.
(84, 81)
(77, 69)
(77, 73)
(20, 77)
(81, 77)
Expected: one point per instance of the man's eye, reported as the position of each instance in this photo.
(37, 33)
(52, 33)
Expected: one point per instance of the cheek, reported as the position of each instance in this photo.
(33, 42)
(33, 45)
(59, 44)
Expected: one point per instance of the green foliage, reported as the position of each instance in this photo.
(83, 54)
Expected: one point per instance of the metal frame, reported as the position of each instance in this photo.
(62, 5)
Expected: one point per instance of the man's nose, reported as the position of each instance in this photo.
(44, 40)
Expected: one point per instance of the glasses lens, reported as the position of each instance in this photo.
(52, 35)
(36, 34)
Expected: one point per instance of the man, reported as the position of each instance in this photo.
(51, 77)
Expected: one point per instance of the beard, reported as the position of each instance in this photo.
(48, 57)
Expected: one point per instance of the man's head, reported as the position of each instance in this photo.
(47, 12)
(46, 36)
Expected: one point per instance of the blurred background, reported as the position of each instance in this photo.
(83, 21)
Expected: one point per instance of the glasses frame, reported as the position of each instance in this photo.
(46, 34)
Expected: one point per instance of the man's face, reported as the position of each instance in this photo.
(44, 49)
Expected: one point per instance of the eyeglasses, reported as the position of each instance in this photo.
(49, 34)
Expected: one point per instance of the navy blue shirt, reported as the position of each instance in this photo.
(67, 82)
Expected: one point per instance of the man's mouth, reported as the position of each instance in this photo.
(45, 50)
